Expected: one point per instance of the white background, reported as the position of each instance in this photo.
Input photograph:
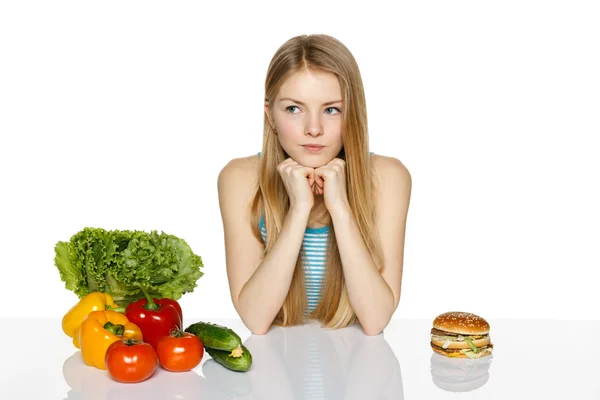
(120, 115)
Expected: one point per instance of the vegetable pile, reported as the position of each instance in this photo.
(128, 320)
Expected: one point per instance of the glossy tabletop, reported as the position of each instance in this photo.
(532, 359)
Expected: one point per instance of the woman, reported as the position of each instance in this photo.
(314, 224)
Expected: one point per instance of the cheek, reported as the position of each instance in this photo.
(334, 128)
(337, 139)
(289, 129)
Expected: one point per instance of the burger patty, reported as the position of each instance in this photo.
(444, 333)
(491, 346)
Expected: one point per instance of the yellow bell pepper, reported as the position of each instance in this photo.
(92, 302)
(99, 330)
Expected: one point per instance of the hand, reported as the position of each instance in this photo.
(331, 181)
(298, 181)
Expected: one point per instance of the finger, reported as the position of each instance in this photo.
(308, 172)
(298, 171)
(319, 180)
(316, 180)
(285, 164)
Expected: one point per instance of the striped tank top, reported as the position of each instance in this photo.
(313, 253)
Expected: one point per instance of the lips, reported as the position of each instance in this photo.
(312, 148)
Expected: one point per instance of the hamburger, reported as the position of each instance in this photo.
(461, 335)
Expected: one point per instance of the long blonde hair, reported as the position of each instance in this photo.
(319, 53)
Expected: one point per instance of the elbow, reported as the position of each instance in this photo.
(259, 331)
(375, 323)
(254, 326)
(373, 327)
(256, 323)
(369, 331)
(257, 328)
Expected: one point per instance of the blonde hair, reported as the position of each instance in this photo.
(319, 53)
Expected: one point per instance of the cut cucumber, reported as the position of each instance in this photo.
(224, 358)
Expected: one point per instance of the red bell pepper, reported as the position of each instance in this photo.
(155, 317)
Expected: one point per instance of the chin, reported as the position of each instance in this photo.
(306, 160)
(312, 163)
(311, 160)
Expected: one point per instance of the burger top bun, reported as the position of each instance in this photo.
(462, 323)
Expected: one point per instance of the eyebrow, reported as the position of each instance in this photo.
(302, 104)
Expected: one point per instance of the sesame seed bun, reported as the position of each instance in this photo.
(463, 323)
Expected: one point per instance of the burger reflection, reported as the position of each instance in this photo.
(460, 374)
(310, 362)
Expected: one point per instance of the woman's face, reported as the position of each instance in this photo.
(308, 111)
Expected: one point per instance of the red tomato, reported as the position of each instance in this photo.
(130, 360)
(180, 351)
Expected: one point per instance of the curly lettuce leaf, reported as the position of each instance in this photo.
(120, 263)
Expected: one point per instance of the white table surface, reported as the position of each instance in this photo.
(532, 359)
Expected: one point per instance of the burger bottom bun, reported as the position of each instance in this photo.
(463, 345)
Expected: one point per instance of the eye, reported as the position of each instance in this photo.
(290, 107)
(333, 108)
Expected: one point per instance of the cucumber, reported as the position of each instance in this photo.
(215, 336)
(224, 358)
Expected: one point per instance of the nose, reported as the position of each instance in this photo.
(314, 127)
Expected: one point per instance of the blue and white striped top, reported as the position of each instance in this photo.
(313, 252)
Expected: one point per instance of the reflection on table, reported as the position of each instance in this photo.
(90, 383)
(301, 362)
(460, 374)
(309, 362)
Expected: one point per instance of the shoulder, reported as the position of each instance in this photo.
(237, 170)
(239, 177)
(390, 170)
(392, 191)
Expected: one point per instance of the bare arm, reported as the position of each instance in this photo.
(258, 285)
(261, 298)
(374, 294)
